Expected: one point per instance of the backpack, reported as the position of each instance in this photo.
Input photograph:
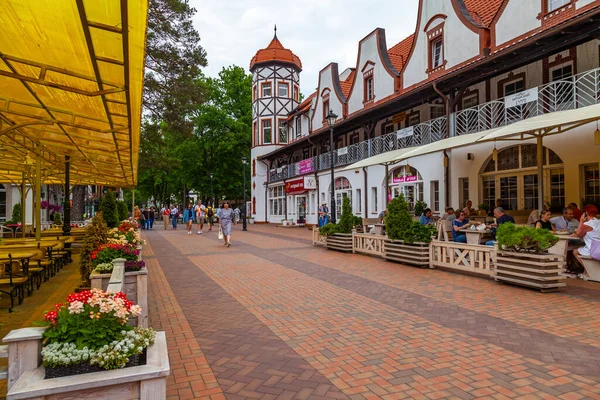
(210, 212)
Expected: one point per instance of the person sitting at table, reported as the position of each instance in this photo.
(450, 215)
(544, 221)
(469, 208)
(457, 234)
(589, 231)
(501, 218)
(577, 213)
(426, 218)
(565, 222)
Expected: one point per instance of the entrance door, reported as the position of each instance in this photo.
(301, 209)
(339, 200)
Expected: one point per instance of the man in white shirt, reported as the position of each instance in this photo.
(565, 222)
(200, 210)
(589, 231)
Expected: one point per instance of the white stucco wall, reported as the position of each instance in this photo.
(460, 42)
(259, 180)
(326, 82)
(383, 81)
(518, 18)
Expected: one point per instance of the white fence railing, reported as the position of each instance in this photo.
(317, 239)
(578, 91)
(477, 259)
(368, 243)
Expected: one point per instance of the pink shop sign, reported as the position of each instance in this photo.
(305, 166)
(404, 179)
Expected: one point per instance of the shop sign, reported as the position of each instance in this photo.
(305, 166)
(310, 183)
(404, 133)
(279, 170)
(295, 186)
(400, 117)
(404, 179)
(524, 97)
(343, 151)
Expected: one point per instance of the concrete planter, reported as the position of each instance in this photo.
(340, 242)
(537, 271)
(141, 382)
(416, 254)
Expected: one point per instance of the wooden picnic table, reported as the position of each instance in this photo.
(6, 256)
(32, 245)
(562, 246)
(475, 236)
(379, 229)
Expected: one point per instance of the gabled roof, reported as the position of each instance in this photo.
(483, 11)
(275, 52)
(399, 53)
(347, 83)
(305, 105)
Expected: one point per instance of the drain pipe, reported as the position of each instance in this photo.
(266, 192)
(365, 173)
(446, 179)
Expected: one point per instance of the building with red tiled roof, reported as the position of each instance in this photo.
(483, 11)
(275, 53)
(399, 53)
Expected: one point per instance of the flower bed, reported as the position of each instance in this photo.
(111, 251)
(91, 330)
(126, 233)
(130, 266)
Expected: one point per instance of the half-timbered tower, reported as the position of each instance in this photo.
(275, 94)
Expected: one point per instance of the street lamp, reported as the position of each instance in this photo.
(331, 117)
(212, 193)
(244, 162)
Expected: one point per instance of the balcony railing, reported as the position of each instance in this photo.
(578, 91)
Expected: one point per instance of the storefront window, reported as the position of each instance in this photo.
(591, 184)
(342, 189)
(276, 201)
(406, 180)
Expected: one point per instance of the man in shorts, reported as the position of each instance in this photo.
(200, 211)
(210, 216)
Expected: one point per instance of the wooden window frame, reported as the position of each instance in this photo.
(279, 121)
(412, 114)
(368, 77)
(559, 60)
(325, 109)
(509, 79)
(435, 35)
(546, 13)
(262, 130)
(254, 133)
(296, 93)
(279, 84)
(469, 94)
(262, 89)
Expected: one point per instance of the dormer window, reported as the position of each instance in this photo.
(370, 94)
(436, 53)
(325, 108)
(368, 82)
(266, 89)
(556, 4)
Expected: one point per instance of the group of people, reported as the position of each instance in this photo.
(199, 213)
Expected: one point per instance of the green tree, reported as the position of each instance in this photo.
(108, 207)
(122, 210)
(17, 214)
(398, 219)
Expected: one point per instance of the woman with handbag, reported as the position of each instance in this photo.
(225, 224)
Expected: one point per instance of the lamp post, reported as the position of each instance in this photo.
(212, 193)
(244, 162)
(331, 117)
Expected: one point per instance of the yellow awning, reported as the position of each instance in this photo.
(71, 80)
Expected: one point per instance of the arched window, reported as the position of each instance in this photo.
(408, 181)
(511, 180)
(342, 189)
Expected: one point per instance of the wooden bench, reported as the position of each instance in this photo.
(368, 223)
(592, 267)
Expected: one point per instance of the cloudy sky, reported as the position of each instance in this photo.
(317, 31)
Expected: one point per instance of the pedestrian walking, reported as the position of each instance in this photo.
(146, 215)
(225, 223)
(174, 215)
(166, 213)
(236, 215)
(137, 215)
(151, 215)
(219, 209)
(210, 214)
(188, 218)
(200, 210)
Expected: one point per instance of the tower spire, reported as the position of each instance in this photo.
(275, 36)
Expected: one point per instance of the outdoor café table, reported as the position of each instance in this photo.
(478, 218)
(562, 246)
(476, 237)
(15, 255)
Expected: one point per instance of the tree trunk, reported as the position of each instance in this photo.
(78, 207)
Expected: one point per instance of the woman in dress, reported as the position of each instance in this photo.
(225, 220)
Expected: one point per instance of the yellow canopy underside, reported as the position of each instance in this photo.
(71, 81)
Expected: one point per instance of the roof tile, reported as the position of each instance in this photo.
(399, 53)
(275, 52)
(483, 11)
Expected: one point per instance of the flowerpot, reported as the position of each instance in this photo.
(538, 271)
(416, 254)
(340, 242)
(251, 220)
(140, 250)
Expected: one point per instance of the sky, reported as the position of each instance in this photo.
(317, 31)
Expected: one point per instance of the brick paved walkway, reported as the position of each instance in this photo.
(273, 317)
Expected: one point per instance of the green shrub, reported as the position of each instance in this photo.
(96, 234)
(108, 207)
(346, 223)
(17, 215)
(399, 224)
(57, 217)
(122, 210)
(420, 206)
(398, 218)
(523, 238)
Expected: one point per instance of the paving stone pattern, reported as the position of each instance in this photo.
(273, 317)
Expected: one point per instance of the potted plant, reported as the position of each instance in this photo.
(250, 219)
(420, 206)
(408, 240)
(89, 333)
(339, 236)
(484, 209)
(523, 258)
(284, 222)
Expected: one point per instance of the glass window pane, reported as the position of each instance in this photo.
(557, 189)
(530, 192)
(508, 192)
(489, 190)
(591, 184)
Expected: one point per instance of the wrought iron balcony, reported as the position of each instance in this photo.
(578, 91)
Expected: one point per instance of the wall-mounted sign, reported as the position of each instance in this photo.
(310, 182)
(279, 170)
(404, 179)
(524, 97)
(404, 133)
(300, 185)
(343, 151)
(305, 166)
(400, 117)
